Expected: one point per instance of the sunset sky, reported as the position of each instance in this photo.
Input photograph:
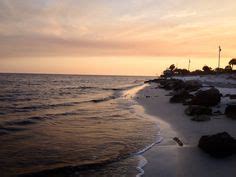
(115, 37)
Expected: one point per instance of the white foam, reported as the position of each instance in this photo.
(142, 163)
(150, 146)
(142, 160)
(138, 110)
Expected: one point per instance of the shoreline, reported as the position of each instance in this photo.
(188, 160)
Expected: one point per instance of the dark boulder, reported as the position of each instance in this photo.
(198, 110)
(192, 85)
(201, 118)
(154, 81)
(171, 84)
(178, 85)
(232, 97)
(230, 111)
(219, 145)
(209, 97)
(180, 96)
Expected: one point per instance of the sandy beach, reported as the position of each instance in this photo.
(168, 159)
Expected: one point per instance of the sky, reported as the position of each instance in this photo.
(111, 37)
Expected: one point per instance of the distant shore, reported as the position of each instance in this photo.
(168, 158)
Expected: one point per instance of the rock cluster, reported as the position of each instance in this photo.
(190, 93)
(200, 103)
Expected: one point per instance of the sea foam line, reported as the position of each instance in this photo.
(142, 160)
(142, 163)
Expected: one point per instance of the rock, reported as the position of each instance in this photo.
(192, 85)
(227, 95)
(171, 84)
(217, 112)
(178, 85)
(198, 110)
(230, 111)
(201, 118)
(180, 97)
(176, 99)
(209, 97)
(219, 145)
(154, 81)
(232, 97)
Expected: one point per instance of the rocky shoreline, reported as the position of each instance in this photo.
(203, 102)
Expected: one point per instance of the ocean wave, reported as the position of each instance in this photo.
(86, 87)
(20, 125)
(21, 122)
(57, 105)
(13, 99)
(75, 170)
(33, 120)
(114, 89)
(70, 170)
(104, 99)
(42, 106)
(103, 88)
(5, 130)
(142, 162)
(159, 140)
(115, 95)
(2, 113)
(50, 105)
(39, 118)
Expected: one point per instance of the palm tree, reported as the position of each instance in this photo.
(172, 67)
(232, 62)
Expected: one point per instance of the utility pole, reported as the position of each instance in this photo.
(189, 61)
(219, 57)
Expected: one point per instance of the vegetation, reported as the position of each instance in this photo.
(232, 62)
(174, 71)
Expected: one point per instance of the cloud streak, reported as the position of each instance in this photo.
(111, 28)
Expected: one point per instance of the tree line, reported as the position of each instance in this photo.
(173, 70)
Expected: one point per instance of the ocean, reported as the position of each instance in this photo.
(70, 125)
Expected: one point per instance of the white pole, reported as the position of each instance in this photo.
(189, 61)
(219, 57)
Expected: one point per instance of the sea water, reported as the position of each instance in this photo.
(70, 125)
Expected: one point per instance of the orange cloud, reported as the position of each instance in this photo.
(121, 29)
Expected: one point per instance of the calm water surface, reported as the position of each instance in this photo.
(71, 124)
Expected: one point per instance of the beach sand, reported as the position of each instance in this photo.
(168, 159)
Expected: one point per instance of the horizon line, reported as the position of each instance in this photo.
(35, 73)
